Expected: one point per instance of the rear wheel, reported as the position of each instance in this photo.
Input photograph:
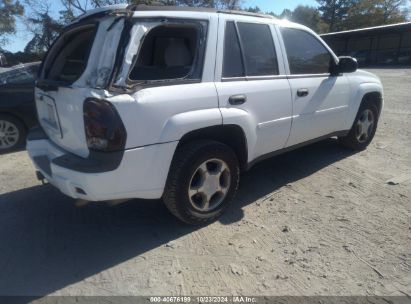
(364, 127)
(12, 133)
(203, 180)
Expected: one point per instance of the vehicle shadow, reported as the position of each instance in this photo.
(20, 149)
(274, 173)
(47, 243)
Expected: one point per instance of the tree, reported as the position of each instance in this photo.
(287, 14)
(367, 13)
(394, 11)
(334, 12)
(308, 16)
(45, 28)
(9, 10)
(255, 9)
(74, 8)
(42, 25)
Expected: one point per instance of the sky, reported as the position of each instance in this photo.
(18, 42)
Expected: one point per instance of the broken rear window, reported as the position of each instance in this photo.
(70, 55)
(172, 51)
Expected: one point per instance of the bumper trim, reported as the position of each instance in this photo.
(37, 133)
(43, 163)
(96, 162)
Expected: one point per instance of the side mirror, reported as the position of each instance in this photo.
(347, 64)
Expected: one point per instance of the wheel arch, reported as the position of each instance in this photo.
(15, 116)
(375, 97)
(232, 135)
(366, 91)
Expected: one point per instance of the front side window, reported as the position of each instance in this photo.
(171, 52)
(249, 50)
(305, 53)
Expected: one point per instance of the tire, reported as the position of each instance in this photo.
(358, 138)
(12, 133)
(198, 169)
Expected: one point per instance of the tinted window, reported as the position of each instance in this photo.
(233, 63)
(259, 51)
(306, 55)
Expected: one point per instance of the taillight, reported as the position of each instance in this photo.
(104, 129)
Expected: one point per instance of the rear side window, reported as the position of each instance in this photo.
(305, 53)
(71, 54)
(233, 62)
(250, 51)
(171, 52)
(259, 51)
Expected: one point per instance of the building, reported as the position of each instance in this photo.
(380, 45)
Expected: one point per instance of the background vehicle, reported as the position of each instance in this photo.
(3, 60)
(173, 103)
(17, 108)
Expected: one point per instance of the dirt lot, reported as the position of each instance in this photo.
(317, 221)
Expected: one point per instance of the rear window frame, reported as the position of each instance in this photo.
(48, 61)
(198, 60)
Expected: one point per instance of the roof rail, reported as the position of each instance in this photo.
(143, 7)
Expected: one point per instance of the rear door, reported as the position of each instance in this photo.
(320, 99)
(253, 83)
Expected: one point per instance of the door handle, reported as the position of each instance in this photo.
(237, 99)
(302, 92)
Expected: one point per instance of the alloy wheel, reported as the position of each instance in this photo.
(9, 134)
(365, 125)
(209, 185)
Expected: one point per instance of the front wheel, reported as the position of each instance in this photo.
(203, 180)
(364, 127)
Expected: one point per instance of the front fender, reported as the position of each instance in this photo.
(357, 97)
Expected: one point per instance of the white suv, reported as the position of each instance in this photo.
(172, 103)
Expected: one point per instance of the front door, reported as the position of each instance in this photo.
(320, 100)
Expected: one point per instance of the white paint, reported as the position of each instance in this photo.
(127, 181)
(157, 117)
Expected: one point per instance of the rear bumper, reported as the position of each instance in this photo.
(134, 173)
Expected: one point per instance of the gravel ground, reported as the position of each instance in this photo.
(317, 221)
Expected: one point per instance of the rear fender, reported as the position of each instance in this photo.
(241, 118)
(180, 124)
